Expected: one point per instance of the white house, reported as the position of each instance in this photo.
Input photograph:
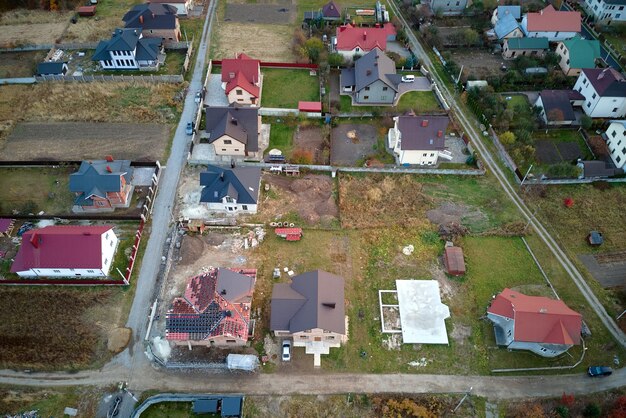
(232, 190)
(418, 140)
(604, 91)
(183, 7)
(616, 141)
(556, 25)
(66, 251)
(128, 50)
(606, 11)
(351, 41)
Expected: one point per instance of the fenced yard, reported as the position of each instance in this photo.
(284, 88)
(421, 102)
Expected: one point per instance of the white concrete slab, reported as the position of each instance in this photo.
(422, 314)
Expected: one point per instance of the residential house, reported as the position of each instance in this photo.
(604, 91)
(241, 80)
(231, 190)
(215, 310)
(577, 53)
(615, 136)
(155, 21)
(102, 185)
(372, 80)
(418, 140)
(353, 41)
(556, 25)
(447, 7)
(234, 130)
(605, 11)
(507, 27)
(331, 11)
(519, 47)
(183, 7)
(52, 68)
(501, 11)
(310, 310)
(129, 50)
(544, 326)
(557, 106)
(66, 251)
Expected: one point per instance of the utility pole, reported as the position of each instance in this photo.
(525, 176)
(462, 399)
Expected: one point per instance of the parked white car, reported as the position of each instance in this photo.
(286, 350)
(409, 78)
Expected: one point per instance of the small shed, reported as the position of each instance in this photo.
(205, 406)
(6, 227)
(87, 11)
(595, 238)
(290, 234)
(312, 107)
(52, 68)
(453, 261)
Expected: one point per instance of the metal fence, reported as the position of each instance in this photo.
(175, 78)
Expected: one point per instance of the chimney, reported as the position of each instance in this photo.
(34, 239)
(153, 15)
(141, 19)
(364, 35)
(424, 123)
(439, 134)
(329, 305)
(109, 169)
(109, 158)
(233, 121)
(232, 163)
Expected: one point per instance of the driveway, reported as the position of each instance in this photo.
(214, 92)
(420, 84)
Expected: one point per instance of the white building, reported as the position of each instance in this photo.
(418, 140)
(66, 251)
(616, 141)
(553, 24)
(128, 50)
(604, 91)
(606, 11)
(231, 190)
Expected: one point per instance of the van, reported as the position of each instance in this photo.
(409, 78)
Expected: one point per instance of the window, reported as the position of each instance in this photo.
(588, 104)
(244, 207)
(223, 149)
(106, 236)
(231, 341)
(619, 142)
(432, 154)
(614, 110)
(424, 155)
(593, 96)
(567, 62)
(330, 337)
(230, 209)
(562, 46)
(56, 271)
(618, 159)
(236, 150)
(624, 150)
(620, 9)
(106, 261)
(89, 271)
(228, 142)
(366, 97)
(580, 89)
(624, 133)
(239, 92)
(458, 3)
(613, 134)
(385, 88)
(230, 199)
(367, 89)
(111, 243)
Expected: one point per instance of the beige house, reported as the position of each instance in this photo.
(233, 131)
(577, 53)
(518, 47)
(311, 311)
(242, 80)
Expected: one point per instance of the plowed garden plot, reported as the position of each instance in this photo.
(267, 42)
(280, 13)
(311, 139)
(549, 152)
(65, 141)
(351, 142)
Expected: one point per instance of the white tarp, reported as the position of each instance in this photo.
(422, 314)
(242, 362)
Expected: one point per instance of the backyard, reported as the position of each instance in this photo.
(421, 102)
(20, 64)
(284, 88)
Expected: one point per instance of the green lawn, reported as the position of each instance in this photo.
(281, 137)
(172, 410)
(31, 190)
(283, 88)
(115, 8)
(418, 101)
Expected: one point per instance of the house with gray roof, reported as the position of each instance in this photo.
(233, 130)
(311, 310)
(419, 140)
(52, 68)
(372, 80)
(155, 21)
(232, 190)
(129, 50)
(557, 106)
(102, 185)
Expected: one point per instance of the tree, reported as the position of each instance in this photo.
(592, 410)
(470, 37)
(335, 59)
(507, 138)
(314, 47)
(586, 121)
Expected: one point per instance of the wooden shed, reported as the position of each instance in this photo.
(453, 261)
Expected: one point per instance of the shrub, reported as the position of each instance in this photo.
(591, 411)
(507, 138)
(301, 156)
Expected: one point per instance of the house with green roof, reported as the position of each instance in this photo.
(517, 47)
(577, 53)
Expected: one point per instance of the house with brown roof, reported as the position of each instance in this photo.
(183, 7)
(418, 140)
(310, 310)
(557, 106)
(372, 80)
(556, 25)
(215, 310)
(353, 41)
(242, 80)
(233, 131)
(155, 21)
(544, 326)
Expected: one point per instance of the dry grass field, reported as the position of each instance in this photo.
(33, 17)
(91, 30)
(26, 34)
(267, 42)
(20, 64)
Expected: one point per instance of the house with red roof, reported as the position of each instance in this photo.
(545, 326)
(241, 80)
(66, 251)
(556, 25)
(215, 310)
(352, 40)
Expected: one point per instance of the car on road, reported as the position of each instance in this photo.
(189, 128)
(115, 408)
(286, 350)
(198, 97)
(599, 371)
(409, 78)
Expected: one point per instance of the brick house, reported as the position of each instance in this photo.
(155, 21)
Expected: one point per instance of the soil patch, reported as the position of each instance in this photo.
(191, 249)
(275, 13)
(118, 339)
(352, 142)
(454, 213)
(310, 138)
(83, 140)
(271, 42)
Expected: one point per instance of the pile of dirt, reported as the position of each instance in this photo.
(454, 213)
(118, 339)
(191, 249)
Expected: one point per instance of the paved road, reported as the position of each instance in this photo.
(511, 191)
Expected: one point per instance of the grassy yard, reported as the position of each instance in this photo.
(283, 88)
(173, 410)
(418, 101)
(281, 137)
(564, 136)
(31, 190)
(49, 401)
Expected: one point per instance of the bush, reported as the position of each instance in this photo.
(301, 156)
(563, 170)
(591, 411)
(507, 138)
(586, 122)
(335, 60)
